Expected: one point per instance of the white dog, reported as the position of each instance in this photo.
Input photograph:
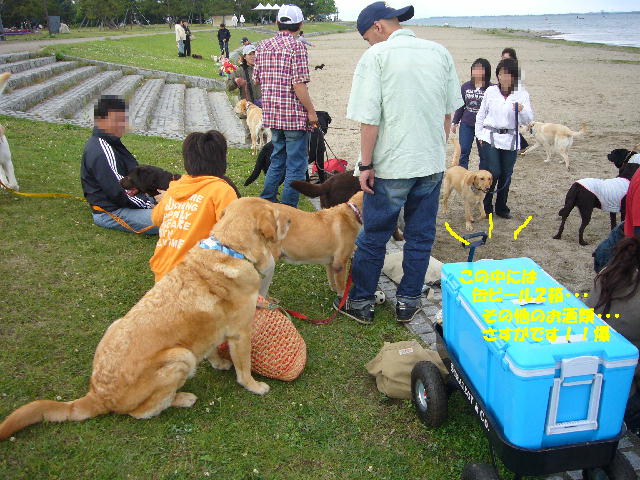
(553, 137)
(7, 177)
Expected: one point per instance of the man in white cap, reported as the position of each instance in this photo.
(282, 70)
(403, 94)
(242, 78)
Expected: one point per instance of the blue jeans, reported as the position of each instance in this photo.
(500, 163)
(136, 218)
(465, 136)
(289, 160)
(181, 47)
(380, 211)
(603, 252)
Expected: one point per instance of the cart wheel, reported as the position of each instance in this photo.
(479, 471)
(619, 469)
(428, 394)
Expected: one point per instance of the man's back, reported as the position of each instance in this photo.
(406, 86)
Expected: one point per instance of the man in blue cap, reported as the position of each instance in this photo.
(403, 94)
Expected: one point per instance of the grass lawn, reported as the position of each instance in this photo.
(64, 280)
(86, 32)
(157, 52)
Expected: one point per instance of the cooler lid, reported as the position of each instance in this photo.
(534, 336)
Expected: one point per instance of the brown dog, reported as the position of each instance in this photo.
(254, 122)
(145, 357)
(325, 237)
(472, 186)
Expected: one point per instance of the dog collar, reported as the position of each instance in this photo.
(212, 244)
(476, 189)
(356, 211)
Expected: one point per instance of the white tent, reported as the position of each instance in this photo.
(260, 7)
(268, 7)
(276, 6)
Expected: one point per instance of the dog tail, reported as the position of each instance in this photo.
(88, 406)
(582, 131)
(261, 166)
(311, 190)
(4, 78)
(455, 160)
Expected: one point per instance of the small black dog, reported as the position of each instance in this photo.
(317, 150)
(319, 67)
(620, 156)
(149, 179)
(586, 200)
(195, 55)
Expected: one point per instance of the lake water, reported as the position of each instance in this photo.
(608, 28)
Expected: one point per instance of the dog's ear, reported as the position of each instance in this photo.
(273, 225)
(470, 177)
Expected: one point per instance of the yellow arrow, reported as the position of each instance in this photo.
(519, 229)
(454, 234)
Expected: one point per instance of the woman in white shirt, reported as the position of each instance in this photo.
(181, 36)
(497, 129)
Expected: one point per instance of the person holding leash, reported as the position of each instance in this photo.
(504, 108)
(404, 92)
(224, 35)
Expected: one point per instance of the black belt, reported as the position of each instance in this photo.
(502, 131)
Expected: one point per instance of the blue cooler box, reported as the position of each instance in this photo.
(542, 391)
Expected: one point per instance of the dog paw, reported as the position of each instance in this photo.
(583, 243)
(468, 226)
(184, 400)
(259, 388)
(221, 364)
(557, 237)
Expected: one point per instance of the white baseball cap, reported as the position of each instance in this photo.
(248, 49)
(290, 14)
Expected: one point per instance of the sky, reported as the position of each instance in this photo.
(349, 9)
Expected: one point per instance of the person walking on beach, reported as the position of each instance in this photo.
(472, 93)
(504, 108)
(282, 70)
(224, 35)
(403, 94)
(180, 38)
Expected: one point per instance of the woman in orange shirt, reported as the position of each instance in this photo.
(192, 205)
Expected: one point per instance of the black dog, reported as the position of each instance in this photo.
(620, 156)
(195, 55)
(581, 197)
(149, 179)
(319, 67)
(317, 150)
(336, 190)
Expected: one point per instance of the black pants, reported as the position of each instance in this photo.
(500, 163)
(224, 48)
(187, 48)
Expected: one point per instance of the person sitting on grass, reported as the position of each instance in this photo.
(616, 290)
(192, 205)
(104, 162)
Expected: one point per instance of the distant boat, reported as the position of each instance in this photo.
(579, 18)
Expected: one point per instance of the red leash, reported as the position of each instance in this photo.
(331, 317)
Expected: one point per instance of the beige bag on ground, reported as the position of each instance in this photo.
(393, 364)
(393, 268)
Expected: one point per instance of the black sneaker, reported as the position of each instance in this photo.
(405, 313)
(362, 315)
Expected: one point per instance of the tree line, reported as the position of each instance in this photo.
(115, 13)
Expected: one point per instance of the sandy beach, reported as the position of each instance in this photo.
(568, 85)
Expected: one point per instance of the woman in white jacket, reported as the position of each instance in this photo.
(181, 36)
(504, 107)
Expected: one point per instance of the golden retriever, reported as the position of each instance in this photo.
(472, 186)
(553, 137)
(145, 357)
(325, 237)
(254, 122)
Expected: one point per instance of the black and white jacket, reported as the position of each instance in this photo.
(104, 162)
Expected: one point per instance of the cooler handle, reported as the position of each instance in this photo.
(576, 367)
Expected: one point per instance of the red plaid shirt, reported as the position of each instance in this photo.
(280, 63)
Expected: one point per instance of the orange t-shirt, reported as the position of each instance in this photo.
(186, 214)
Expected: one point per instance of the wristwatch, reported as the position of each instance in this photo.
(362, 167)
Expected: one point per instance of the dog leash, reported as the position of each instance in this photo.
(331, 317)
(67, 195)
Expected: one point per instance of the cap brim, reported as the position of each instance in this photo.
(404, 14)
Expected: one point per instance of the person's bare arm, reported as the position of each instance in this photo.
(302, 92)
(368, 137)
(447, 126)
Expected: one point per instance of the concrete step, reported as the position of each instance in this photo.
(21, 66)
(27, 97)
(197, 111)
(168, 115)
(74, 99)
(37, 75)
(123, 88)
(226, 121)
(15, 57)
(143, 103)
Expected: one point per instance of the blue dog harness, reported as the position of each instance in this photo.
(212, 244)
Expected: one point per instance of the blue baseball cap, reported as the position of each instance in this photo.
(378, 11)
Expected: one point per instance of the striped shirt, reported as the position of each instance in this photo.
(281, 62)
